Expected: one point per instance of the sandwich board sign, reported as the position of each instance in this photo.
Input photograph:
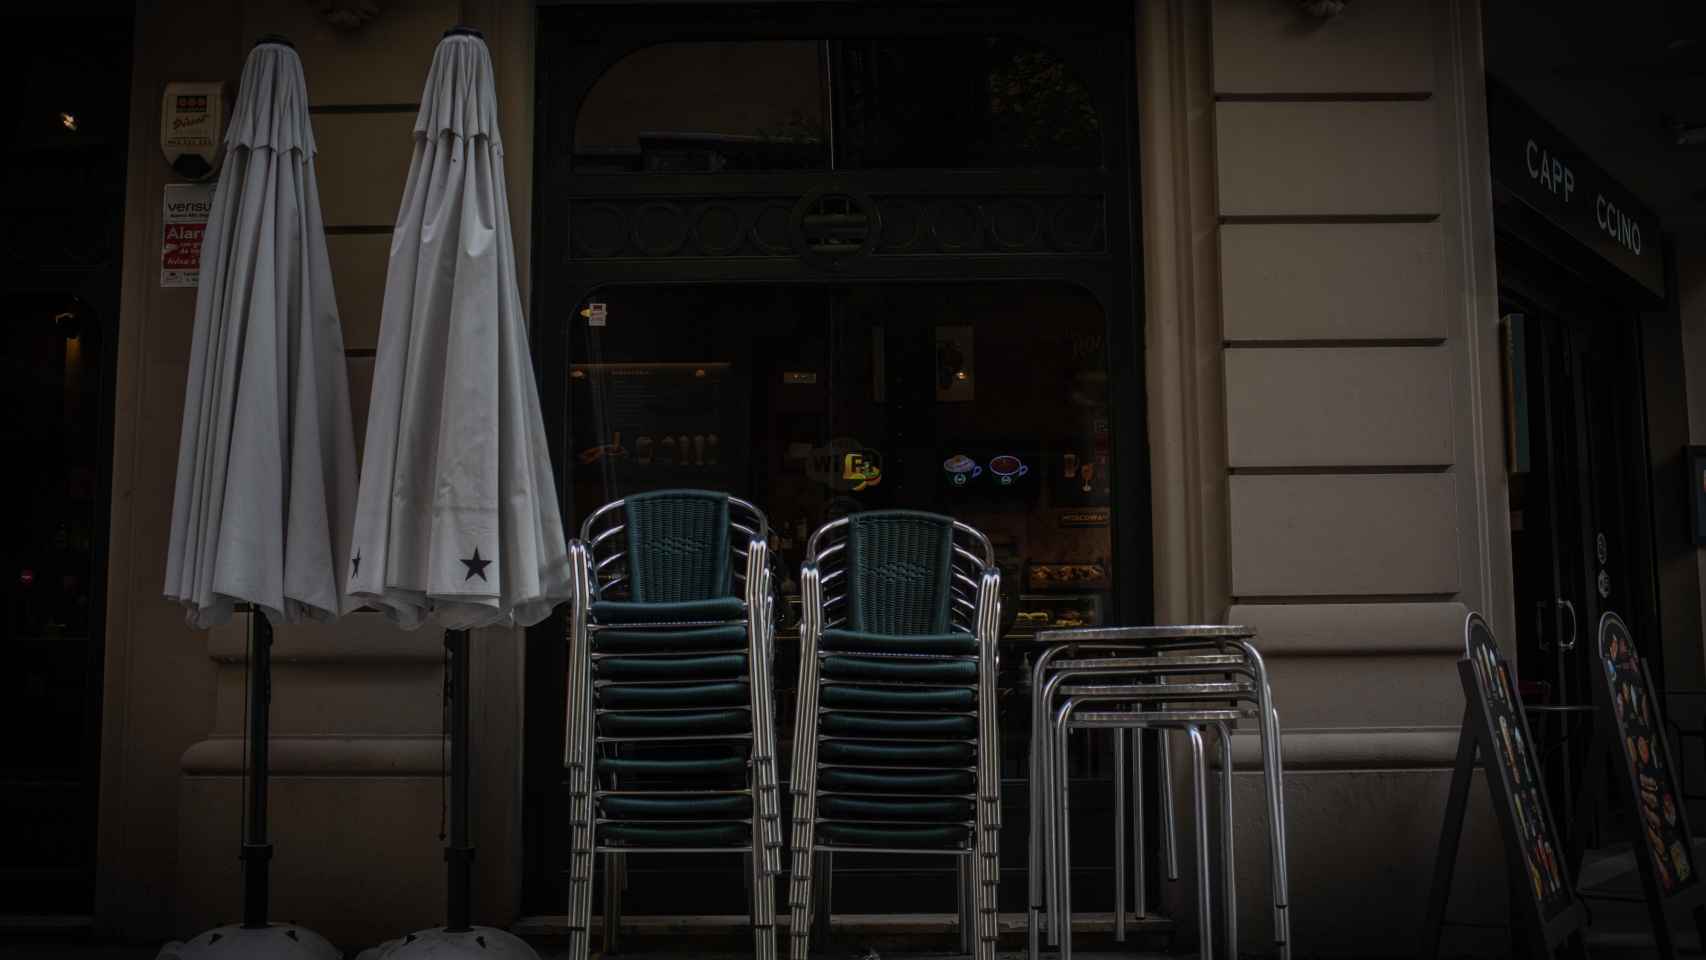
(1495, 737)
(1629, 732)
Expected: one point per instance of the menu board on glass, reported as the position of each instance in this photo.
(1630, 714)
(651, 426)
(1495, 737)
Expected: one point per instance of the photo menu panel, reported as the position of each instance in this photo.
(1515, 759)
(1647, 759)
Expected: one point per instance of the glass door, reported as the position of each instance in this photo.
(1579, 532)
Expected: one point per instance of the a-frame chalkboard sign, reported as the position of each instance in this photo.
(1629, 713)
(1495, 736)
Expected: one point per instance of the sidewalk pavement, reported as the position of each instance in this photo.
(62, 951)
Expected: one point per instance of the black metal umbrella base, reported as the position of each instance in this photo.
(485, 943)
(280, 941)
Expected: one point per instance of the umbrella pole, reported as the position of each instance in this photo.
(460, 853)
(257, 850)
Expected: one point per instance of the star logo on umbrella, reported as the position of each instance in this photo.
(476, 566)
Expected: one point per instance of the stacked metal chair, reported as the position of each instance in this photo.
(670, 732)
(896, 732)
(1190, 679)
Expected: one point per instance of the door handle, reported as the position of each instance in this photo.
(1565, 642)
(1568, 641)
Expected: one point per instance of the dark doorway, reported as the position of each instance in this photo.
(899, 232)
(1581, 521)
(62, 217)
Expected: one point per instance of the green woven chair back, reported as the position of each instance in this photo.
(900, 572)
(678, 546)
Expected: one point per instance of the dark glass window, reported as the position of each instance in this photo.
(962, 102)
(986, 401)
(954, 102)
(707, 107)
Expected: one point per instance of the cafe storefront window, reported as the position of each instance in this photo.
(860, 257)
(987, 402)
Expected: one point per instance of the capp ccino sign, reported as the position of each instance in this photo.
(1549, 174)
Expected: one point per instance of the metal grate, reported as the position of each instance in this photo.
(836, 225)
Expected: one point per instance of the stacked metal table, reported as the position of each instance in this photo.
(1184, 679)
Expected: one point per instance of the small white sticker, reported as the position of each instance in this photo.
(595, 313)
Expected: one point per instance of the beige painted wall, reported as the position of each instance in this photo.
(1324, 416)
(356, 712)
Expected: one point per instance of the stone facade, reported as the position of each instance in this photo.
(1324, 433)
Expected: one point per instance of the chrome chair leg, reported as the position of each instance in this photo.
(1228, 844)
(985, 928)
(763, 898)
(1140, 863)
(1049, 827)
(765, 782)
(808, 862)
(1273, 770)
(577, 759)
(1119, 739)
(799, 876)
(800, 893)
(583, 858)
(587, 826)
(766, 823)
(983, 859)
(1050, 790)
(1036, 869)
(991, 882)
(1033, 864)
(1277, 827)
(803, 776)
(1169, 844)
(1199, 797)
(1056, 795)
(1062, 788)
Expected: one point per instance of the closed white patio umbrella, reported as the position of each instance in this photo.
(266, 461)
(457, 521)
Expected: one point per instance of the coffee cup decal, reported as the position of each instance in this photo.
(962, 469)
(1007, 468)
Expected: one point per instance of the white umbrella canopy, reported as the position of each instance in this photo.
(266, 482)
(456, 520)
(266, 462)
